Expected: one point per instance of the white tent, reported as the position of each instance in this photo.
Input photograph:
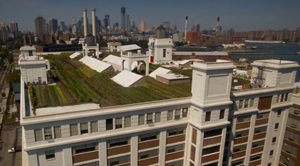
(116, 62)
(74, 55)
(95, 64)
(159, 70)
(126, 78)
(130, 47)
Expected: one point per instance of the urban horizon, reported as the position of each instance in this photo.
(278, 16)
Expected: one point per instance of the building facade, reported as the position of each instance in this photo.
(290, 153)
(215, 126)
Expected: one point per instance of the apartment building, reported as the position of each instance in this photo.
(290, 154)
(214, 126)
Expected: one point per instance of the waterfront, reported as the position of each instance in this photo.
(272, 51)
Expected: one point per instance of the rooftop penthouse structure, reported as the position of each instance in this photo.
(205, 123)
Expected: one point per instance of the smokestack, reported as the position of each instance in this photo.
(185, 27)
(94, 22)
(218, 25)
(84, 22)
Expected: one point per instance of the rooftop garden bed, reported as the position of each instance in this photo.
(76, 83)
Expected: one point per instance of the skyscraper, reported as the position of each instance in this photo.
(40, 26)
(14, 27)
(123, 12)
(53, 25)
(127, 22)
(142, 26)
(106, 21)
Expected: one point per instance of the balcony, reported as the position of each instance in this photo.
(148, 161)
(174, 139)
(209, 158)
(118, 150)
(175, 155)
(242, 125)
(259, 136)
(210, 141)
(148, 144)
(257, 149)
(77, 158)
(261, 121)
(238, 154)
(240, 140)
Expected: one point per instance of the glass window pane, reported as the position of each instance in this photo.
(48, 133)
(84, 128)
(157, 116)
(118, 123)
(57, 132)
(38, 135)
(170, 115)
(141, 119)
(127, 121)
(94, 126)
(177, 114)
(73, 129)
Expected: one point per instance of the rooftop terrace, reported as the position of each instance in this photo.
(76, 83)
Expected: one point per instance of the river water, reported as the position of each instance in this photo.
(272, 51)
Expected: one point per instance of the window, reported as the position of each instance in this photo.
(50, 154)
(48, 133)
(118, 160)
(286, 97)
(57, 132)
(84, 128)
(251, 102)
(127, 121)
(149, 118)
(177, 114)
(73, 129)
(256, 157)
(109, 124)
(273, 140)
(210, 150)
(241, 104)
(258, 143)
(271, 153)
(94, 126)
(173, 132)
(157, 116)
(212, 133)
(222, 112)
(164, 53)
(118, 123)
(279, 112)
(184, 112)
(246, 103)
(276, 125)
(240, 148)
(170, 115)
(148, 154)
(84, 148)
(118, 142)
(148, 137)
(207, 116)
(263, 115)
(175, 148)
(241, 119)
(38, 135)
(141, 119)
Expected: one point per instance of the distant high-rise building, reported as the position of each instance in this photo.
(63, 26)
(40, 26)
(106, 21)
(127, 22)
(166, 25)
(142, 26)
(98, 25)
(160, 32)
(218, 26)
(53, 25)
(4, 31)
(123, 13)
(14, 27)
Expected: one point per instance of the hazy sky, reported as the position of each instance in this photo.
(238, 14)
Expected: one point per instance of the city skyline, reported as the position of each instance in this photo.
(242, 16)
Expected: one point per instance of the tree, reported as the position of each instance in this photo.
(13, 76)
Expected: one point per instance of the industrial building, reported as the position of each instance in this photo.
(213, 125)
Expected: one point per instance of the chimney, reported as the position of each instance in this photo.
(84, 23)
(94, 22)
(185, 27)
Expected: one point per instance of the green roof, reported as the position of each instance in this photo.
(77, 83)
